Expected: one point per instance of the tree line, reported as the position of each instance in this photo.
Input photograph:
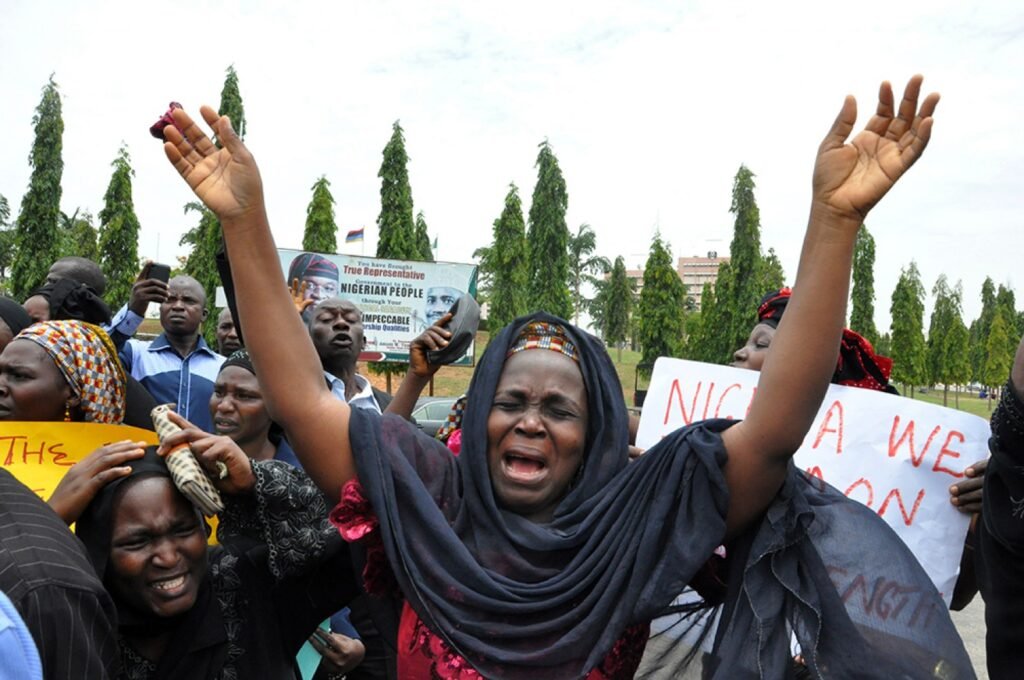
(533, 262)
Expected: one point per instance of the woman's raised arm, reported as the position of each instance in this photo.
(228, 181)
(849, 179)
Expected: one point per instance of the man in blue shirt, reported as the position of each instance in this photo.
(178, 367)
(19, 658)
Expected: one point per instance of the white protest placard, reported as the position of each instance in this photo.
(897, 456)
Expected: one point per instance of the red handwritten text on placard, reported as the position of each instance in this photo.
(703, 402)
(833, 423)
(917, 457)
(863, 490)
(17, 449)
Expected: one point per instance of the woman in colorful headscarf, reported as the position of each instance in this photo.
(540, 552)
(68, 371)
(62, 370)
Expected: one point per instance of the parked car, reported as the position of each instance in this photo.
(432, 412)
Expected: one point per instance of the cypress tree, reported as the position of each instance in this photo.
(727, 318)
(980, 328)
(908, 345)
(395, 227)
(739, 309)
(661, 322)
(119, 233)
(548, 239)
(997, 359)
(321, 235)
(958, 359)
(231, 103)
(36, 239)
(862, 313)
(202, 264)
(618, 306)
(205, 237)
(507, 264)
(424, 252)
(1007, 306)
(946, 314)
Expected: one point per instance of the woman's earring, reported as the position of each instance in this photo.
(67, 413)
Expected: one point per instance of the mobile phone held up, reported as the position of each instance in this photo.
(160, 272)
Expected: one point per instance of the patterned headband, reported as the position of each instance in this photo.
(544, 335)
(88, 361)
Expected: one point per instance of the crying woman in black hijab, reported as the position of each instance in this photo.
(240, 609)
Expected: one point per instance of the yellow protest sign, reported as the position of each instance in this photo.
(39, 454)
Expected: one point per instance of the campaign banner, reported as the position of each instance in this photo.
(895, 455)
(399, 299)
(38, 454)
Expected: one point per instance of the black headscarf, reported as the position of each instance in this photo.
(70, 299)
(14, 315)
(520, 599)
(197, 647)
(95, 528)
(525, 600)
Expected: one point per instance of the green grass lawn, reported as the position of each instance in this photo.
(969, 401)
(452, 381)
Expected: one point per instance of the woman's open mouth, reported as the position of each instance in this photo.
(523, 467)
(170, 587)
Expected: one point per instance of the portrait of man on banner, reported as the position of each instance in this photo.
(317, 276)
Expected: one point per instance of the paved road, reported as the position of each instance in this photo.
(971, 624)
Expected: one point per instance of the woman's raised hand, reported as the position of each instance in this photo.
(851, 177)
(226, 179)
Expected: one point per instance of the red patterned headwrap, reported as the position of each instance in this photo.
(858, 365)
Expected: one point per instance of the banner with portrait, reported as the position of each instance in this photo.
(399, 299)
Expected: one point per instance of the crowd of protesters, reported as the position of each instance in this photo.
(527, 539)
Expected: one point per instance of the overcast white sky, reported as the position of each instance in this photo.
(651, 108)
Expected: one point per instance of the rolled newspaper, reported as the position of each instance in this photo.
(187, 473)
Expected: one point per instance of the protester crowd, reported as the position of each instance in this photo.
(527, 539)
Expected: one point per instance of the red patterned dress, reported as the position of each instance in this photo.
(422, 654)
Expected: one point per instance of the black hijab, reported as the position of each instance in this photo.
(95, 528)
(520, 599)
(70, 299)
(14, 315)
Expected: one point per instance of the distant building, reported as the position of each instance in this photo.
(694, 272)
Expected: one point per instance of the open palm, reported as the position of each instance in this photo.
(851, 177)
(226, 179)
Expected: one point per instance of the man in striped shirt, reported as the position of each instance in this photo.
(46, 574)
